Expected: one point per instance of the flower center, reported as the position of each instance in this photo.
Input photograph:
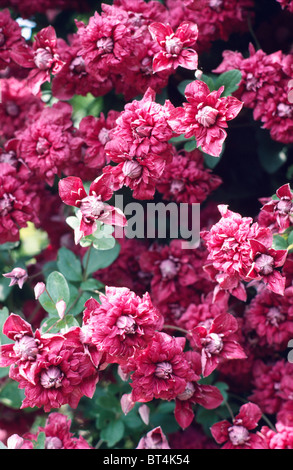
(53, 442)
(11, 108)
(215, 3)
(105, 45)
(8, 157)
(92, 207)
(264, 264)
(43, 58)
(52, 377)
(177, 186)
(188, 392)
(173, 45)
(104, 136)
(78, 66)
(238, 435)
(169, 269)
(132, 169)
(214, 343)
(126, 324)
(26, 348)
(284, 206)
(251, 82)
(6, 203)
(284, 110)
(206, 116)
(42, 146)
(163, 370)
(274, 316)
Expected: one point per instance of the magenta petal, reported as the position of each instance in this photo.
(159, 31)
(102, 186)
(250, 415)
(220, 431)
(208, 396)
(188, 59)
(276, 283)
(284, 191)
(183, 413)
(15, 325)
(115, 217)
(71, 190)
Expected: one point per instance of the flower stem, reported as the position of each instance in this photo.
(177, 328)
(87, 262)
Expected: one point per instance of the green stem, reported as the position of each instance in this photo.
(177, 328)
(258, 46)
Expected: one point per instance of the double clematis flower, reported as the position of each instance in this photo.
(42, 58)
(175, 46)
(92, 207)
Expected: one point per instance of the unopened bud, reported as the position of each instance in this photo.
(61, 307)
(39, 289)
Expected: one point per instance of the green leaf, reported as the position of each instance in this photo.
(5, 289)
(57, 287)
(230, 80)
(223, 387)
(69, 265)
(40, 442)
(91, 285)
(113, 433)
(96, 259)
(290, 238)
(209, 80)
(190, 145)
(11, 395)
(279, 243)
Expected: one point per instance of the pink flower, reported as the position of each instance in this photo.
(186, 180)
(204, 116)
(282, 438)
(238, 435)
(58, 435)
(231, 253)
(19, 203)
(92, 205)
(48, 143)
(104, 43)
(18, 276)
(174, 270)
(18, 106)
(10, 37)
(270, 384)
(175, 47)
(265, 262)
(217, 342)
(207, 396)
(140, 145)
(269, 317)
(281, 208)
(61, 375)
(42, 58)
(161, 370)
(154, 439)
(122, 325)
(74, 77)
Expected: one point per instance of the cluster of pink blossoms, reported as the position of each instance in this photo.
(264, 88)
(169, 318)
